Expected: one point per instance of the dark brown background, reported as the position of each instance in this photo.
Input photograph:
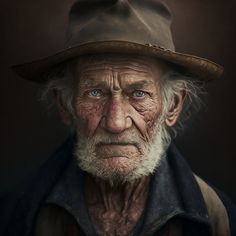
(31, 29)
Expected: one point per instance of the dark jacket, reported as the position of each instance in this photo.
(174, 194)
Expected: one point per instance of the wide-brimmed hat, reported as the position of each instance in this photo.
(140, 27)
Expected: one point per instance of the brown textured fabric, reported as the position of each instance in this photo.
(120, 26)
(218, 216)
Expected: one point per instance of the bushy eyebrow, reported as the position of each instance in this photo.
(141, 84)
(92, 82)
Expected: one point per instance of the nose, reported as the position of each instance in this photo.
(116, 117)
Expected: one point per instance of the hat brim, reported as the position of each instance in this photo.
(202, 68)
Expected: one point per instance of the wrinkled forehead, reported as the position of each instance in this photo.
(123, 64)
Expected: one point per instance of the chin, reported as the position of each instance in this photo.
(121, 166)
(113, 169)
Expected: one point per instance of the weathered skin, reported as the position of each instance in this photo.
(116, 210)
(107, 100)
(114, 96)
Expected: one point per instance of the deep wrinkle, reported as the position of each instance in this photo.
(115, 209)
(126, 82)
(121, 96)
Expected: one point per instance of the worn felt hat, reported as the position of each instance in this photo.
(120, 26)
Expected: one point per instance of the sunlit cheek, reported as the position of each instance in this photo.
(145, 116)
(150, 126)
(88, 116)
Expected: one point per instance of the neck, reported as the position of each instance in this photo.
(116, 208)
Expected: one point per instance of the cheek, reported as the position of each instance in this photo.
(145, 115)
(88, 115)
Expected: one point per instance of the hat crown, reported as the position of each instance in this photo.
(114, 26)
(137, 21)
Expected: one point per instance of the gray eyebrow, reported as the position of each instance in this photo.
(141, 84)
(88, 82)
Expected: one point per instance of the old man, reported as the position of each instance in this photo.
(124, 91)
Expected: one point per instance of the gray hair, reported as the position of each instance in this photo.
(59, 79)
(172, 83)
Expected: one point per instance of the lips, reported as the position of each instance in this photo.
(118, 150)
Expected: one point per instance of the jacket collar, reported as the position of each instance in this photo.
(173, 192)
(69, 194)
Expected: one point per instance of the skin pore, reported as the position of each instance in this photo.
(117, 109)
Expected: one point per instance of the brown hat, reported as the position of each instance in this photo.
(120, 26)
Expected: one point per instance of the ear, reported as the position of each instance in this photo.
(175, 109)
(63, 111)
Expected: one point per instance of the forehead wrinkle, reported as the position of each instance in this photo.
(90, 79)
(112, 73)
(115, 81)
(115, 68)
(140, 84)
(88, 83)
(139, 80)
(91, 72)
(122, 71)
(134, 75)
(114, 62)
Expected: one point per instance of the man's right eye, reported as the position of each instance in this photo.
(95, 93)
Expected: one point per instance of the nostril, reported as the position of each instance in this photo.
(115, 124)
(128, 122)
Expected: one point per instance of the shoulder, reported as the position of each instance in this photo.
(230, 208)
(220, 209)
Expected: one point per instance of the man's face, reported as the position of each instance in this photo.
(116, 109)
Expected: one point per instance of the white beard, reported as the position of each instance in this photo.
(150, 157)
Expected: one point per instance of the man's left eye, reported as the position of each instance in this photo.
(139, 94)
(95, 93)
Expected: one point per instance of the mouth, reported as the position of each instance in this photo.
(117, 143)
(116, 150)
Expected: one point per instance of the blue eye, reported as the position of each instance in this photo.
(95, 93)
(139, 94)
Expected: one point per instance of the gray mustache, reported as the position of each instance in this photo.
(125, 143)
(124, 139)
